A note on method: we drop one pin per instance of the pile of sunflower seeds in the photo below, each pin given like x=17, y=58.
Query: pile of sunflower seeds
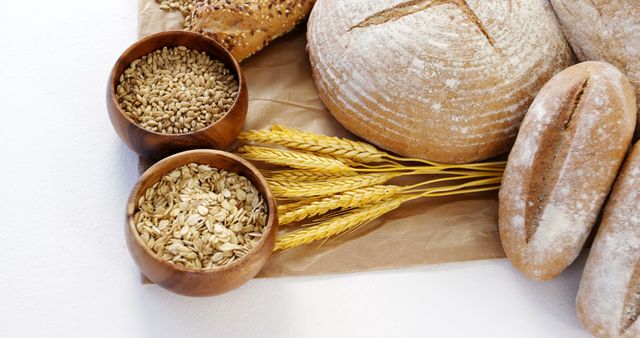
x=201, y=217
x=176, y=90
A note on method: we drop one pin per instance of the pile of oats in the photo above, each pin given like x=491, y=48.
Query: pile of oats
x=176, y=90
x=201, y=217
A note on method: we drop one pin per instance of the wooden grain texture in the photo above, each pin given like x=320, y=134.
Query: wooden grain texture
x=201, y=282
x=155, y=146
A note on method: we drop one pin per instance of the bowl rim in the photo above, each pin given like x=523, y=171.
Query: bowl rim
x=114, y=79
x=136, y=191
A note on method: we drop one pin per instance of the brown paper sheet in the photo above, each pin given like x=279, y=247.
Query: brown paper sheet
x=426, y=231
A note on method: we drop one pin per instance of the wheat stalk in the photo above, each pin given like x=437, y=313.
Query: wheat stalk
x=341, y=148
x=294, y=159
x=346, y=200
x=349, y=221
x=303, y=140
x=307, y=175
x=292, y=189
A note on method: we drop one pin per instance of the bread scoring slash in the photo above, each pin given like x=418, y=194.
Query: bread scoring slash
x=566, y=156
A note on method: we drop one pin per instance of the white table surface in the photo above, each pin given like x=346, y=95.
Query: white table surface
x=64, y=267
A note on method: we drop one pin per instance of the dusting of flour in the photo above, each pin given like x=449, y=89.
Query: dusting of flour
x=614, y=256
x=431, y=77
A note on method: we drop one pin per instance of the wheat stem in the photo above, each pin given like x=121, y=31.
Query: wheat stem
x=493, y=183
x=449, y=178
x=464, y=191
x=418, y=160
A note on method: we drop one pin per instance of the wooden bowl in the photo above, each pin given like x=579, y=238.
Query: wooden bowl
x=155, y=146
x=201, y=282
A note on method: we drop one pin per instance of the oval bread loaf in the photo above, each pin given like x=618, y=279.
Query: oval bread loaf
x=609, y=296
x=561, y=168
x=246, y=26
x=444, y=80
x=604, y=30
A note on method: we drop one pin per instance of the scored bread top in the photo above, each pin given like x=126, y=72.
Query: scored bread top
x=445, y=80
x=245, y=27
x=609, y=295
x=561, y=168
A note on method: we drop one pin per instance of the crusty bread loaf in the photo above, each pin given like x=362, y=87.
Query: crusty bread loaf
x=561, y=168
x=246, y=26
x=608, y=301
x=444, y=80
x=604, y=30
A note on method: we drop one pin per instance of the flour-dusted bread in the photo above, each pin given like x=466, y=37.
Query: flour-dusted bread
x=604, y=30
x=446, y=80
x=567, y=154
x=246, y=26
x=609, y=296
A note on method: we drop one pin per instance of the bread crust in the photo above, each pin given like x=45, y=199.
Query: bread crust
x=444, y=80
x=245, y=27
x=608, y=300
x=561, y=168
x=604, y=30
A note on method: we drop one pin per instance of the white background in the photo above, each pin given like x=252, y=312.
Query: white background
x=64, y=179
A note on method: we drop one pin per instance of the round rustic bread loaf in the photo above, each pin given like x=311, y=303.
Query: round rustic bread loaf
x=604, y=30
x=444, y=80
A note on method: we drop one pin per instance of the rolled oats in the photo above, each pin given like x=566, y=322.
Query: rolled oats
x=201, y=217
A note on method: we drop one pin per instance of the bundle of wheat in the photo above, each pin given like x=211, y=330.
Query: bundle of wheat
x=337, y=185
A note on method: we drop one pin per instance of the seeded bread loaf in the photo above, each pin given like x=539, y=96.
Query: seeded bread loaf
x=609, y=296
x=246, y=26
x=444, y=80
x=604, y=30
x=567, y=154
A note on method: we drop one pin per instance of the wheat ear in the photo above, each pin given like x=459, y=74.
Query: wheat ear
x=346, y=200
x=285, y=208
x=290, y=189
x=349, y=221
x=307, y=175
x=294, y=159
x=303, y=140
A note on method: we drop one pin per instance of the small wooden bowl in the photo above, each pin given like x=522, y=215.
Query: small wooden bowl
x=201, y=282
x=155, y=146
